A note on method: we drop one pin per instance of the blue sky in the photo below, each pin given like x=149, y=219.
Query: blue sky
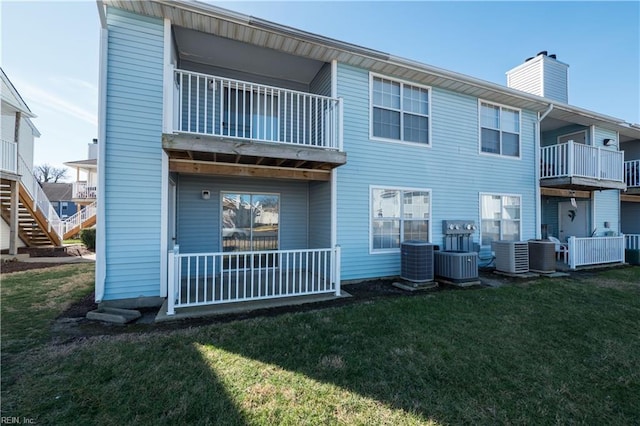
x=50, y=50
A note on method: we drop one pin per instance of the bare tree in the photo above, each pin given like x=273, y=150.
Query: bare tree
x=48, y=173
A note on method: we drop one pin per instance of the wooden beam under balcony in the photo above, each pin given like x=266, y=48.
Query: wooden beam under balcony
x=567, y=193
x=248, y=170
x=630, y=198
x=581, y=183
x=229, y=150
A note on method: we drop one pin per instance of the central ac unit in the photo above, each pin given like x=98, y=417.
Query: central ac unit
x=511, y=256
x=416, y=263
x=542, y=256
x=456, y=266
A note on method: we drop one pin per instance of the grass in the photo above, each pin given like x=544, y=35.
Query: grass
x=72, y=241
x=555, y=351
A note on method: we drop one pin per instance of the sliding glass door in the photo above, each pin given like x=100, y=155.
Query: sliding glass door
x=250, y=222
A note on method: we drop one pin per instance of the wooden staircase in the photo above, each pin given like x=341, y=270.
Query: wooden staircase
x=85, y=218
x=33, y=227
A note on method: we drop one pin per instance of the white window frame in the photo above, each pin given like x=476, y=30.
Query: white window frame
x=401, y=218
x=498, y=194
x=586, y=138
x=501, y=106
x=402, y=83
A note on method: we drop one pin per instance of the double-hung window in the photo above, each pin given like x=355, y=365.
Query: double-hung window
x=398, y=215
x=499, y=130
x=500, y=216
x=399, y=111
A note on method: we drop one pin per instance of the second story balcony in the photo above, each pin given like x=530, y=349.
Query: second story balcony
x=577, y=166
x=632, y=176
x=82, y=191
x=230, y=121
x=8, y=157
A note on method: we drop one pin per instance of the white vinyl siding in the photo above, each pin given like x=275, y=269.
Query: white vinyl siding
x=499, y=130
x=398, y=215
x=399, y=111
x=501, y=218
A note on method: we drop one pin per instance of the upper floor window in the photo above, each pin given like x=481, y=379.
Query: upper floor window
x=399, y=111
x=578, y=137
x=499, y=130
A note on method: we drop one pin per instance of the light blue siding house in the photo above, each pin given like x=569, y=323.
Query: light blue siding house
x=244, y=160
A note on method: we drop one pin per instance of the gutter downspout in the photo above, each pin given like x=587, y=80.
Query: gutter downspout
x=101, y=258
x=536, y=156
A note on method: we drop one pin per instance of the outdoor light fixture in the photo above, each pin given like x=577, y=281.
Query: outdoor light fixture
x=608, y=142
x=206, y=194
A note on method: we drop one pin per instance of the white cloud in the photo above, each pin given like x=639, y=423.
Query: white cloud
x=49, y=100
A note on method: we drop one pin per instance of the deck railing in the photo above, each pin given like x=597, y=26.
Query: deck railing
x=40, y=200
x=200, y=279
x=632, y=173
x=82, y=190
x=217, y=106
x=578, y=160
x=595, y=250
x=632, y=241
x=8, y=156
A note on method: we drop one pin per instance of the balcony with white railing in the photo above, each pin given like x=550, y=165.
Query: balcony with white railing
x=231, y=121
x=82, y=191
x=632, y=176
x=8, y=156
x=573, y=165
x=207, y=279
x=632, y=241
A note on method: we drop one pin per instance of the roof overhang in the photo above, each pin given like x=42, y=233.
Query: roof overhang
x=247, y=29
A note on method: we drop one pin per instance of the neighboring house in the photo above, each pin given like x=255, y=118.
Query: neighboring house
x=61, y=197
x=630, y=199
x=212, y=119
x=85, y=187
x=27, y=216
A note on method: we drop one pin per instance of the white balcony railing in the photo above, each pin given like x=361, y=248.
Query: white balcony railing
x=632, y=173
x=213, y=278
x=210, y=105
x=8, y=156
x=578, y=160
x=76, y=220
x=632, y=241
x=595, y=250
x=41, y=202
x=84, y=191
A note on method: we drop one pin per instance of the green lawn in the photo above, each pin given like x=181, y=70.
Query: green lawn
x=555, y=351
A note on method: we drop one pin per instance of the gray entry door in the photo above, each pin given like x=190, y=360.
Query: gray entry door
x=573, y=220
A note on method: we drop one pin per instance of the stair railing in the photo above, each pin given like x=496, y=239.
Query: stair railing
x=40, y=200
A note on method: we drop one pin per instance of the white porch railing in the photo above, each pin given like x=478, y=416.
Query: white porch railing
x=41, y=202
x=9, y=156
x=210, y=105
x=202, y=279
x=632, y=241
x=578, y=160
x=82, y=190
x=79, y=218
x=632, y=173
x=595, y=250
